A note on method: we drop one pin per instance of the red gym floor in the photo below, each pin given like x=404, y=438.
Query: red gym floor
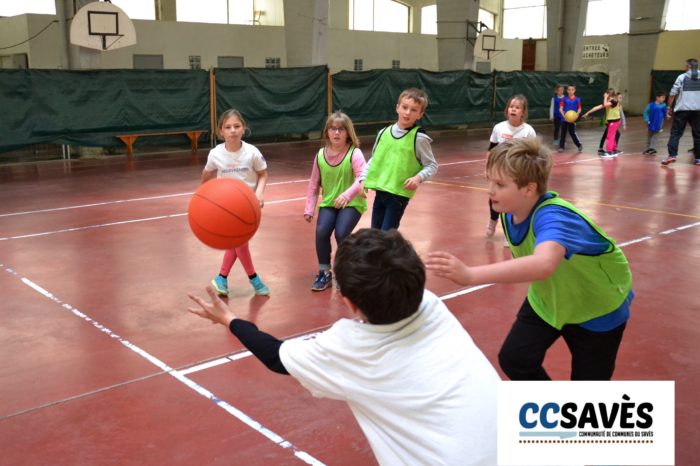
x=102, y=364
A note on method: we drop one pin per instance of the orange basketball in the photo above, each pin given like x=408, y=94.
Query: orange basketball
x=224, y=213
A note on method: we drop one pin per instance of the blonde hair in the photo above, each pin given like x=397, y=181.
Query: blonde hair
x=526, y=160
x=418, y=95
x=346, y=122
x=523, y=101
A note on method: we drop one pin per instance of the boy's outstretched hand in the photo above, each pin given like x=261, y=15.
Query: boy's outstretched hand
x=448, y=266
x=217, y=311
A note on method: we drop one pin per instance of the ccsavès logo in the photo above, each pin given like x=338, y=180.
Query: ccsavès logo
x=558, y=423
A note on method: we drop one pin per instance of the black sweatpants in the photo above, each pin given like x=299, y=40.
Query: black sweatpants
x=593, y=354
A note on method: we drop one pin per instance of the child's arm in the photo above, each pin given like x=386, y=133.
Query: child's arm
x=208, y=175
x=264, y=346
x=623, y=119
x=312, y=192
x=260, y=187
x=424, y=154
x=646, y=113
x=551, y=109
x=538, y=266
x=594, y=109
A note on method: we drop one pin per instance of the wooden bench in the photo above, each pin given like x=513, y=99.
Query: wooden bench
x=193, y=135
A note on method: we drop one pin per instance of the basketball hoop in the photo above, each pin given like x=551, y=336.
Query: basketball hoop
x=102, y=26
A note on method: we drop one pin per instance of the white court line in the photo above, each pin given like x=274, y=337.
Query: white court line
x=123, y=201
x=464, y=161
x=123, y=222
x=241, y=416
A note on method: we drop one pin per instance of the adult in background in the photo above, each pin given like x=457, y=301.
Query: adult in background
x=687, y=110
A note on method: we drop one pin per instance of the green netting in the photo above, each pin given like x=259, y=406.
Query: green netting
x=90, y=107
x=455, y=97
x=275, y=102
x=662, y=81
x=538, y=87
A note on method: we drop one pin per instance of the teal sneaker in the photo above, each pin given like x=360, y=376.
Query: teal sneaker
x=220, y=284
x=259, y=286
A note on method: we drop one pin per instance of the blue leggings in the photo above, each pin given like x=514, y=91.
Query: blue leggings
x=343, y=221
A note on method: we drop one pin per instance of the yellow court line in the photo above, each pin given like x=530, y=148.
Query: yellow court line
x=616, y=206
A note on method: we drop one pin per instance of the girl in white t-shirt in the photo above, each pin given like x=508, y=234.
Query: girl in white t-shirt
x=514, y=127
x=240, y=160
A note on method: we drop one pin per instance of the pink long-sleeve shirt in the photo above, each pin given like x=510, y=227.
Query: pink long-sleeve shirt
x=358, y=164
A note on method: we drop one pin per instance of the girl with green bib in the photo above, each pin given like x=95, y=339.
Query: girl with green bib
x=335, y=172
x=580, y=281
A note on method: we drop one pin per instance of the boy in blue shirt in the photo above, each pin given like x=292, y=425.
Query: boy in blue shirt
x=580, y=281
x=570, y=102
x=654, y=116
x=554, y=115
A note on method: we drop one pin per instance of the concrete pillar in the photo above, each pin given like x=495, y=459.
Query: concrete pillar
x=455, y=52
x=306, y=32
x=64, y=9
x=566, y=21
x=166, y=10
x=647, y=20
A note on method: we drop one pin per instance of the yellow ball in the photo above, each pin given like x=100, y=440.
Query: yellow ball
x=571, y=116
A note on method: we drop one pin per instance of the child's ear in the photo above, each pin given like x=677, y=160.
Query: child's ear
x=532, y=188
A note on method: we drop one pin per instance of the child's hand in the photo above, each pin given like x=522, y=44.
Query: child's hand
x=340, y=202
x=217, y=311
x=308, y=217
x=260, y=198
x=412, y=183
x=448, y=266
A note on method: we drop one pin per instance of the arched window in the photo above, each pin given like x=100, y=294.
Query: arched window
x=378, y=15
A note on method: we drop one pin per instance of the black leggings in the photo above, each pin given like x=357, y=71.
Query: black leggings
x=593, y=354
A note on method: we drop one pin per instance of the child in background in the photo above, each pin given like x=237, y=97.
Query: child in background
x=554, y=116
x=336, y=171
x=420, y=389
x=513, y=127
x=654, y=116
x=580, y=281
x=613, y=120
x=570, y=102
x=623, y=124
x=401, y=160
x=237, y=159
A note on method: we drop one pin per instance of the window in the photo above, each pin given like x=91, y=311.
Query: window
x=195, y=62
x=148, y=62
x=231, y=11
x=607, y=17
x=682, y=15
x=524, y=19
x=358, y=64
x=272, y=62
x=378, y=15
x=137, y=9
x=44, y=7
x=488, y=18
x=395, y=64
x=428, y=19
x=230, y=62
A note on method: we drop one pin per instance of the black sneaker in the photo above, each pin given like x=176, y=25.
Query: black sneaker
x=601, y=152
x=580, y=149
x=323, y=280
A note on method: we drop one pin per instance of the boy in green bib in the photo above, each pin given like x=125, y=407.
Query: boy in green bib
x=401, y=160
x=580, y=281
